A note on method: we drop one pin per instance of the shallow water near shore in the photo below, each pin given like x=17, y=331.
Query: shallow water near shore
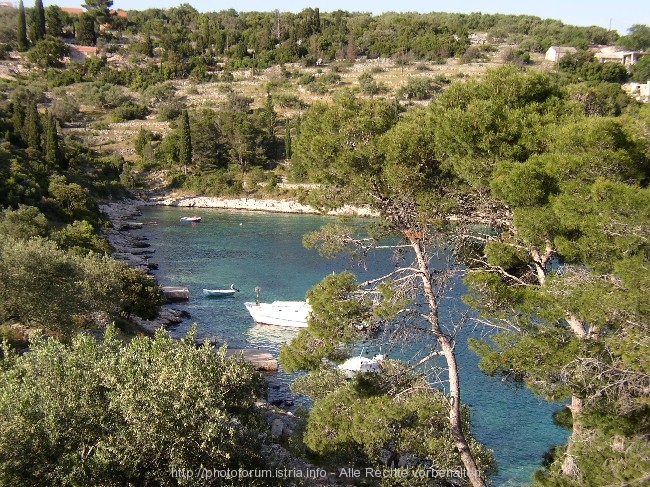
x=250, y=249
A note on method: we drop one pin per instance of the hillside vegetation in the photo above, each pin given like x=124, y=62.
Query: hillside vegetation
x=439, y=130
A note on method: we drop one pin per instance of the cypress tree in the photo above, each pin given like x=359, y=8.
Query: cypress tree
x=287, y=142
x=22, y=28
x=51, y=149
x=185, y=142
x=270, y=120
x=148, y=44
x=317, y=20
x=32, y=127
x=39, y=20
x=18, y=120
x=85, y=34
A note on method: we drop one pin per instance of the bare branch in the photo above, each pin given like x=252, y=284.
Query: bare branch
x=498, y=270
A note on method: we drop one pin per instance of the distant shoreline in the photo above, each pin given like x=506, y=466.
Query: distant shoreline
x=254, y=204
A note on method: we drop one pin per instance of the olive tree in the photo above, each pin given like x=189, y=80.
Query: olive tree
x=45, y=287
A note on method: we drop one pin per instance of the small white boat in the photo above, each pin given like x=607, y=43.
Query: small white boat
x=220, y=293
x=280, y=313
x=191, y=219
x=356, y=365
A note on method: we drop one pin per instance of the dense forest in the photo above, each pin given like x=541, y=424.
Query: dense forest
x=530, y=178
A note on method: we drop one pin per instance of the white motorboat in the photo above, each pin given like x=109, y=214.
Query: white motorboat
x=280, y=313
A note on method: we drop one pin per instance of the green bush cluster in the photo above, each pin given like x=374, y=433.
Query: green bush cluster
x=104, y=412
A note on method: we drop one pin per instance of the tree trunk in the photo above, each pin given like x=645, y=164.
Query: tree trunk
x=569, y=467
x=455, y=423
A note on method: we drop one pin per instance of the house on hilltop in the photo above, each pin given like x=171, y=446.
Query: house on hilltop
x=122, y=14
x=555, y=53
x=73, y=10
x=611, y=55
x=78, y=11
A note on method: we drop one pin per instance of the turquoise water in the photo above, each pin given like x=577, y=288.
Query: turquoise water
x=251, y=249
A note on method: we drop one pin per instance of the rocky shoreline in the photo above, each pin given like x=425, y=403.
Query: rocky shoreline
x=253, y=204
x=134, y=249
x=128, y=247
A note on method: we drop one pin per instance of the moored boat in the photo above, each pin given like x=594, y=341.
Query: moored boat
x=220, y=293
x=280, y=313
x=192, y=219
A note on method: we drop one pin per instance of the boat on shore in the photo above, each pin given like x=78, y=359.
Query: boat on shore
x=191, y=219
x=220, y=293
x=292, y=314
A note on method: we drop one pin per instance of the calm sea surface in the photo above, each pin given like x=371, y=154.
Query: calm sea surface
x=251, y=249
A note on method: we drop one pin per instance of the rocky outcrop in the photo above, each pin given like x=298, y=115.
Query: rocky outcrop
x=167, y=318
x=176, y=293
x=261, y=359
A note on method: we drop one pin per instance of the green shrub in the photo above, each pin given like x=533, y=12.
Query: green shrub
x=96, y=412
x=418, y=88
x=170, y=110
x=306, y=79
x=102, y=95
x=474, y=54
x=516, y=56
x=129, y=111
x=100, y=125
x=285, y=100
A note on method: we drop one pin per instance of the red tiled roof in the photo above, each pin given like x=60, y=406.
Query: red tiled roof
x=73, y=10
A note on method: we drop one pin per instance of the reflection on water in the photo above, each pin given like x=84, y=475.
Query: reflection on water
x=272, y=337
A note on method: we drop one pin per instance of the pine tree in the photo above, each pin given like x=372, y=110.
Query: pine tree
x=98, y=9
x=22, y=28
x=185, y=142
